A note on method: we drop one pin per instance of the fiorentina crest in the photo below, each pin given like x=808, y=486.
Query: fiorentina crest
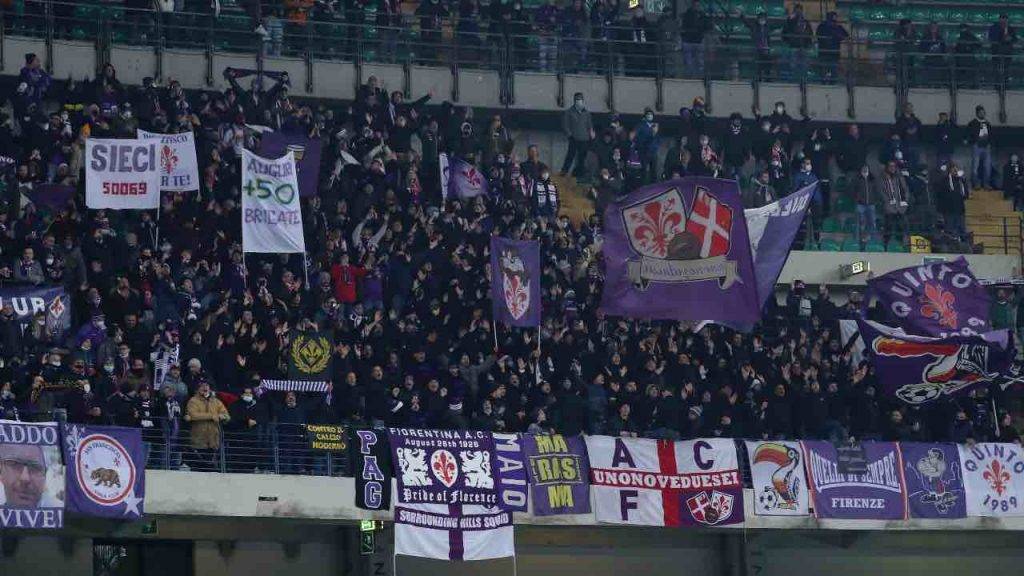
x=515, y=281
x=675, y=245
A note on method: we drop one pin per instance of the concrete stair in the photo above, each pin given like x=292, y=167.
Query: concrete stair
x=994, y=222
x=575, y=202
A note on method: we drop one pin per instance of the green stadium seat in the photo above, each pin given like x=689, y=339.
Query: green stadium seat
x=881, y=33
x=851, y=244
x=874, y=245
x=895, y=245
x=829, y=226
x=845, y=203
x=858, y=13
x=849, y=225
x=828, y=245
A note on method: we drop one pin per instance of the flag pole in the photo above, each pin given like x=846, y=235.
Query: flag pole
x=494, y=330
x=536, y=370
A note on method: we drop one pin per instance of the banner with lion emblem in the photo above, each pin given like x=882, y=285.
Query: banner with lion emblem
x=939, y=299
x=309, y=356
x=515, y=281
x=106, y=471
x=444, y=466
x=679, y=250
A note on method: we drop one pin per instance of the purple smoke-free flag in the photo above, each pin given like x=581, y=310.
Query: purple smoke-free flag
x=307, y=157
x=935, y=480
x=679, y=250
x=878, y=493
x=464, y=180
x=938, y=299
x=106, y=471
x=919, y=369
x=54, y=196
x=515, y=281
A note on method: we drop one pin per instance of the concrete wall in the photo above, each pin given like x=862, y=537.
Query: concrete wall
x=532, y=91
x=823, y=267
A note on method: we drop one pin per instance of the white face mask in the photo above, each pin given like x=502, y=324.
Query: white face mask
x=960, y=173
x=247, y=398
x=86, y=388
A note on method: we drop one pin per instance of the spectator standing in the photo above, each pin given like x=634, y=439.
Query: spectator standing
x=575, y=33
x=798, y=35
x=933, y=46
x=545, y=23
x=967, y=47
x=895, y=194
x=578, y=127
x=1013, y=180
x=761, y=36
x=36, y=80
x=695, y=26
x=432, y=14
x=866, y=197
x=944, y=138
x=979, y=136
x=1001, y=38
x=28, y=270
x=641, y=45
x=951, y=191
x=205, y=413
x=735, y=147
x=831, y=35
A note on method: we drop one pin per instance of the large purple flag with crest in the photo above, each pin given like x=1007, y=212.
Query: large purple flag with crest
x=935, y=480
x=919, y=369
x=515, y=281
x=106, y=471
x=559, y=474
x=938, y=299
x=307, y=157
x=679, y=250
x=877, y=492
x=460, y=179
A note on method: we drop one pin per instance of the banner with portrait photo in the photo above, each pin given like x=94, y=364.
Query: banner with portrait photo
x=31, y=476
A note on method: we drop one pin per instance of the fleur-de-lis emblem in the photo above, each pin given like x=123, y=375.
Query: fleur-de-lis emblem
x=168, y=159
x=938, y=304
x=473, y=177
x=997, y=476
x=442, y=463
x=517, y=295
x=653, y=225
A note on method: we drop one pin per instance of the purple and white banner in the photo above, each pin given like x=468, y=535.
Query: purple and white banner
x=920, y=369
x=679, y=250
x=444, y=466
x=935, y=481
x=106, y=471
x=877, y=494
x=772, y=229
x=179, y=169
x=559, y=474
x=306, y=152
x=460, y=179
x=31, y=476
x=515, y=281
x=993, y=479
x=511, y=472
x=453, y=532
x=939, y=299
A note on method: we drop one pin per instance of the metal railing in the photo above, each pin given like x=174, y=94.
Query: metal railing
x=510, y=46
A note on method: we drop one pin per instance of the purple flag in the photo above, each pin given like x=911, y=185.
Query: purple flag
x=919, y=369
x=559, y=474
x=772, y=229
x=444, y=466
x=106, y=471
x=32, y=476
x=876, y=493
x=307, y=157
x=679, y=250
x=939, y=299
x=464, y=180
x=515, y=281
x=935, y=481
x=54, y=196
x=511, y=472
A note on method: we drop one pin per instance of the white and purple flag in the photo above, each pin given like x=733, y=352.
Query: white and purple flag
x=453, y=532
x=460, y=179
x=106, y=471
x=515, y=281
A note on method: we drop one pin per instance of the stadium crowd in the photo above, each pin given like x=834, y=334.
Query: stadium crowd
x=396, y=275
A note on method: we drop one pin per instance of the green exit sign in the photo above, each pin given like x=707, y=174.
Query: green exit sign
x=366, y=543
x=149, y=528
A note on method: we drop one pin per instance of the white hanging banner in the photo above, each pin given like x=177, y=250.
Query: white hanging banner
x=122, y=174
x=271, y=217
x=179, y=169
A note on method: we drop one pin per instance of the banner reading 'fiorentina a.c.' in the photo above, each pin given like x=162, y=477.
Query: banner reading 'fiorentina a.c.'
x=444, y=466
x=679, y=250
